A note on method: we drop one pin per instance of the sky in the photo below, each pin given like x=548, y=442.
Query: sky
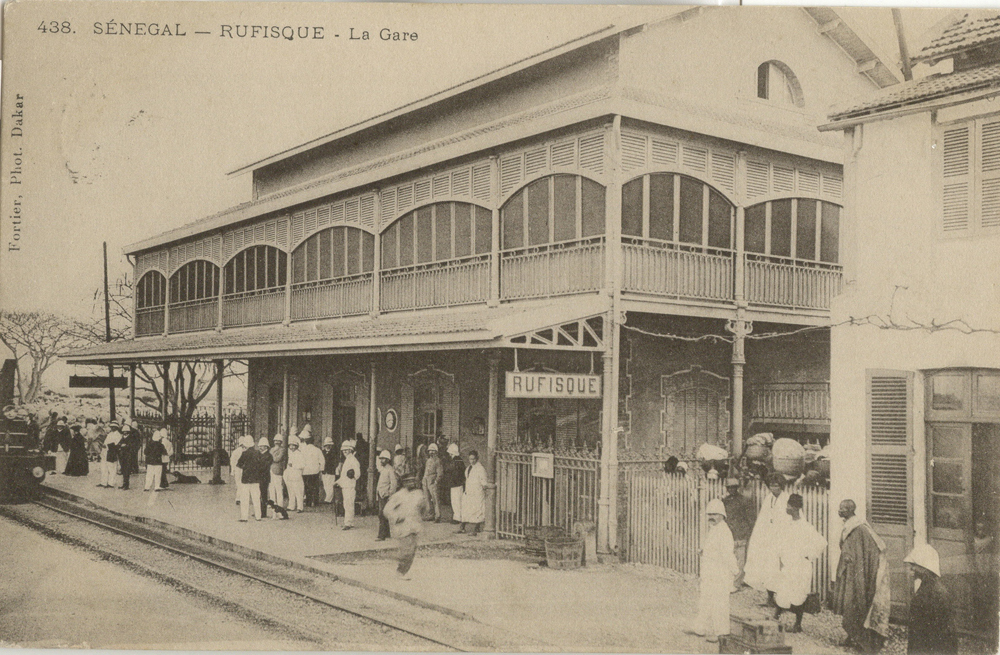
x=126, y=137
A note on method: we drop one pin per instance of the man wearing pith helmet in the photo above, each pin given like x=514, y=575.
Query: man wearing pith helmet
x=932, y=611
x=718, y=570
x=347, y=480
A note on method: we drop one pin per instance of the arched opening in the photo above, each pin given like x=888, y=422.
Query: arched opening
x=333, y=253
x=194, y=294
x=796, y=228
x=438, y=232
x=332, y=273
x=676, y=208
x=150, y=298
x=553, y=209
x=254, y=290
x=776, y=82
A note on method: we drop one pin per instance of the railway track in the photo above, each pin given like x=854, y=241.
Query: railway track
x=308, y=603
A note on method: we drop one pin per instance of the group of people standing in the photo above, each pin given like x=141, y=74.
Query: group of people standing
x=71, y=443
x=773, y=550
x=120, y=453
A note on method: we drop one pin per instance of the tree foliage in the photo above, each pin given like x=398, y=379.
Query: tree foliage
x=39, y=338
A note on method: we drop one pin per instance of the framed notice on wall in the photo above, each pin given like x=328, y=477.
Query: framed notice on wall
x=543, y=465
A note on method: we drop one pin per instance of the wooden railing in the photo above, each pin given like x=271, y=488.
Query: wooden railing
x=439, y=284
x=194, y=315
x=792, y=283
x=149, y=321
x=676, y=270
x=792, y=401
x=552, y=269
x=345, y=296
x=253, y=307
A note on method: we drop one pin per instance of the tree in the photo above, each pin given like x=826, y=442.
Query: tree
x=42, y=338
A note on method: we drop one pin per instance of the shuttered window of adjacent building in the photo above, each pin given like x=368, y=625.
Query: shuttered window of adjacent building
x=890, y=474
x=889, y=437
x=971, y=177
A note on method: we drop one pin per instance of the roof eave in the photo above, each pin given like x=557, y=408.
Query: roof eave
x=907, y=110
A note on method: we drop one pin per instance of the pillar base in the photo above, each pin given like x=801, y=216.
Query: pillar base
x=217, y=481
x=490, y=527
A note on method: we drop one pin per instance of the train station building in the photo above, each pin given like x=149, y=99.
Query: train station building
x=580, y=254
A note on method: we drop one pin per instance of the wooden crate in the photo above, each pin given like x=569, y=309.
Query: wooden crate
x=732, y=645
x=758, y=633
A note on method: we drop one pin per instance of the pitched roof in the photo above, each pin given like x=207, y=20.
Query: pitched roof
x=913, y=94
x=969, y=29
x=476, y=327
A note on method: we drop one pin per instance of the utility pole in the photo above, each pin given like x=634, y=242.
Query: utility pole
x=107, y=330
x=904, y=52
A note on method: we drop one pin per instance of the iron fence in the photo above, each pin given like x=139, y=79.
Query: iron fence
x=526, y=500
x=193, y=450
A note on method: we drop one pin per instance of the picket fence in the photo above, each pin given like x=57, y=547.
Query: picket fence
x=661, y=517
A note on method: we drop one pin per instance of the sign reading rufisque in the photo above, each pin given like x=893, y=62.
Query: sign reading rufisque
x=552, y=385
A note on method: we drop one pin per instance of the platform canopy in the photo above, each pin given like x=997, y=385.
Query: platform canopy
x=452, y=329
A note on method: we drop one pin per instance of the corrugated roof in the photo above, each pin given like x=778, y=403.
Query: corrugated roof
x=968, y=30
x=924, y=90
x=477, y=326
x=344, y=179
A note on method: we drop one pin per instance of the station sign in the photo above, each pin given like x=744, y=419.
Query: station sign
x=552, y=385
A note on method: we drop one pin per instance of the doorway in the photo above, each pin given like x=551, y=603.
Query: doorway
x=963, y=492
x=342, y=413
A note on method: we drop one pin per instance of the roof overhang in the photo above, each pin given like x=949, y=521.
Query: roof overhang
x=455, y=329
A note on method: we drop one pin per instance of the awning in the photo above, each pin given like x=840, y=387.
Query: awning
x=397, y=332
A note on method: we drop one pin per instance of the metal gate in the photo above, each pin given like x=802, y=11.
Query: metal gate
x=524, y=500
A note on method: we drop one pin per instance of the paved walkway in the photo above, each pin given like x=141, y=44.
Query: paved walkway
x=605, y=607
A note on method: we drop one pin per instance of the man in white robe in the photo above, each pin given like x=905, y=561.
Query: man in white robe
x=761, y=570
x=474, y=497
x=719, y=569
x=800, y=544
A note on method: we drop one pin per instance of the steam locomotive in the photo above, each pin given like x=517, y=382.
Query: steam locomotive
x=22, y=464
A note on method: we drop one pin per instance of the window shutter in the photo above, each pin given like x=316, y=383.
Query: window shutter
x=890, y=473
x=957, y=178
x=989, y=189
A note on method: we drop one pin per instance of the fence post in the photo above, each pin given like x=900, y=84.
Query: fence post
x=217, y=451
x=491, y=449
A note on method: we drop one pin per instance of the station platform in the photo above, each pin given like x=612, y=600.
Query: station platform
x=599, y=608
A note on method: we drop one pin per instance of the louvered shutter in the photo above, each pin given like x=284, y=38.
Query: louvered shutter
x=890, y=473
x=989, y=186
x=957, y=178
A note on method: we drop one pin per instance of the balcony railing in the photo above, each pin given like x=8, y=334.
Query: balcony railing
x=149, y=321
x=790, y=401
x=194, y=315
x=793, y=283
x=253, y=307
x=439, y=284
x=346, y=296
x=677, y=270
x=649, y=266
x=552, y=269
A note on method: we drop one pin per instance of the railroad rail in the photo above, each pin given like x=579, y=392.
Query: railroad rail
x=435, y=629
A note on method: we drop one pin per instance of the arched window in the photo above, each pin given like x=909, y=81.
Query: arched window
x=676, y=208
x=151, y=292
x=196, y=280
x=256, y=268
x=553, y=209
x=777, y=82
x=436, y=233
x=333, y=253
x=800, y=228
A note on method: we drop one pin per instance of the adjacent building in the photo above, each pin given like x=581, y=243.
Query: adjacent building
x=915, y=373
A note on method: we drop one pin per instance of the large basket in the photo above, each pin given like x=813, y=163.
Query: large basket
x=535, y=536
x=564, y=552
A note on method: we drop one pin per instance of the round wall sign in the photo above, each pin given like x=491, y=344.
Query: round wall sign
x=391, y=420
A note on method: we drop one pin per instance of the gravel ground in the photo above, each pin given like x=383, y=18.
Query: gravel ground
x=281, y=613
